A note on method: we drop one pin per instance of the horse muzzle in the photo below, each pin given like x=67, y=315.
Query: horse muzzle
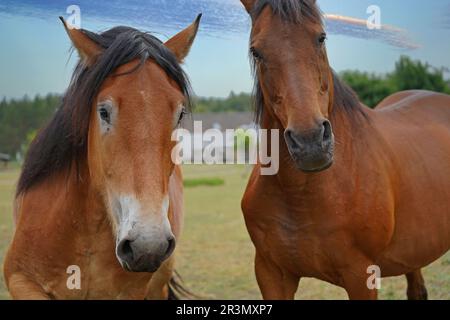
x=312, y=151
x=144, y=255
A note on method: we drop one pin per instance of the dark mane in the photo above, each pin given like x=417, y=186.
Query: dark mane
x=290, y=10
x=63, y=142
x=345, y=99
x=296, y=11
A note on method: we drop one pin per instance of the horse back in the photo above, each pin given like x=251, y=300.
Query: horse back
x=421, y=100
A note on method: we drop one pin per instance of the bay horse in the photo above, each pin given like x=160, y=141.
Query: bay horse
x=99, y=193
x=357, y=188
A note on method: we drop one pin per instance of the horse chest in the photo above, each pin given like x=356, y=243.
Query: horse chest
x=99, y=286
x=312, y=229
x=296, y=233
x=90, y=270
x=292, y=245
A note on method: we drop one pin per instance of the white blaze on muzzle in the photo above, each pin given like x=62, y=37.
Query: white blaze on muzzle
x=144, y=235
x=134, y=221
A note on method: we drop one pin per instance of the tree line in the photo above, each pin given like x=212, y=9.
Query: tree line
x=20, y=119
x=408, y=74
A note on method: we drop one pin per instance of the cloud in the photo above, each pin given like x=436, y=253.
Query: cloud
x=357, y=28
x=220, y=17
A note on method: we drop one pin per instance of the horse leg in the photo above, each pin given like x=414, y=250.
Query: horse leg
x=357, y=289
x=273, y=282
x=22, y=288
x=416, y=286
x=357, y=281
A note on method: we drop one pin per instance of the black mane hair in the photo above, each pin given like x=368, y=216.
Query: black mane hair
x=297, y=11
x=63, y=142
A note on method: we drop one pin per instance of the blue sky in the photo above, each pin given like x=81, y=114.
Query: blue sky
x=34, y=56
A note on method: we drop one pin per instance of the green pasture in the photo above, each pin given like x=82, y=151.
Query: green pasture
x=215, y=254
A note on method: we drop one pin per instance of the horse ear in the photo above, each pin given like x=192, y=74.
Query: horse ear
x=248, y=4
x=87, y=49
x=181, y=43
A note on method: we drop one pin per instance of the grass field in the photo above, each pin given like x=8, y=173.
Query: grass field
x=215, y=255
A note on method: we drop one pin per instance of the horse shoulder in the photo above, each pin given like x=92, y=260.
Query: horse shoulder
x=262, y=200
x=254, y=198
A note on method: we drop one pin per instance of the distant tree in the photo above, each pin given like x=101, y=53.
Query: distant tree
x=234, y=102
x=371, y=88
x=19, y=118
x=408, y=75
x=28, y=139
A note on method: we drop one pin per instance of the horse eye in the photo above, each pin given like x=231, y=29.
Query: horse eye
x=104, y=115
x=255, y=53
x=322, y=38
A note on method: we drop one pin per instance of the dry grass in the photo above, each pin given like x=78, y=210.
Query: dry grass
x=7, y=182
x=215, y=254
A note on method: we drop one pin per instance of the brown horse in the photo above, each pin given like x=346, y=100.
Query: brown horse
x=357, y=188
x=99, y=197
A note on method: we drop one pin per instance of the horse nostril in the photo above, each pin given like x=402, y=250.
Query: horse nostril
x=289, y=138
x=327, y=131
x=124, y=250
x=170, y=247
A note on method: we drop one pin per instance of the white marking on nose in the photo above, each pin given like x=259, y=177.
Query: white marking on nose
x=135, y=221
x=128, y=215
x=165, y=212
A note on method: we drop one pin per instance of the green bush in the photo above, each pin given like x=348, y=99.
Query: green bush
x=408, y=74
